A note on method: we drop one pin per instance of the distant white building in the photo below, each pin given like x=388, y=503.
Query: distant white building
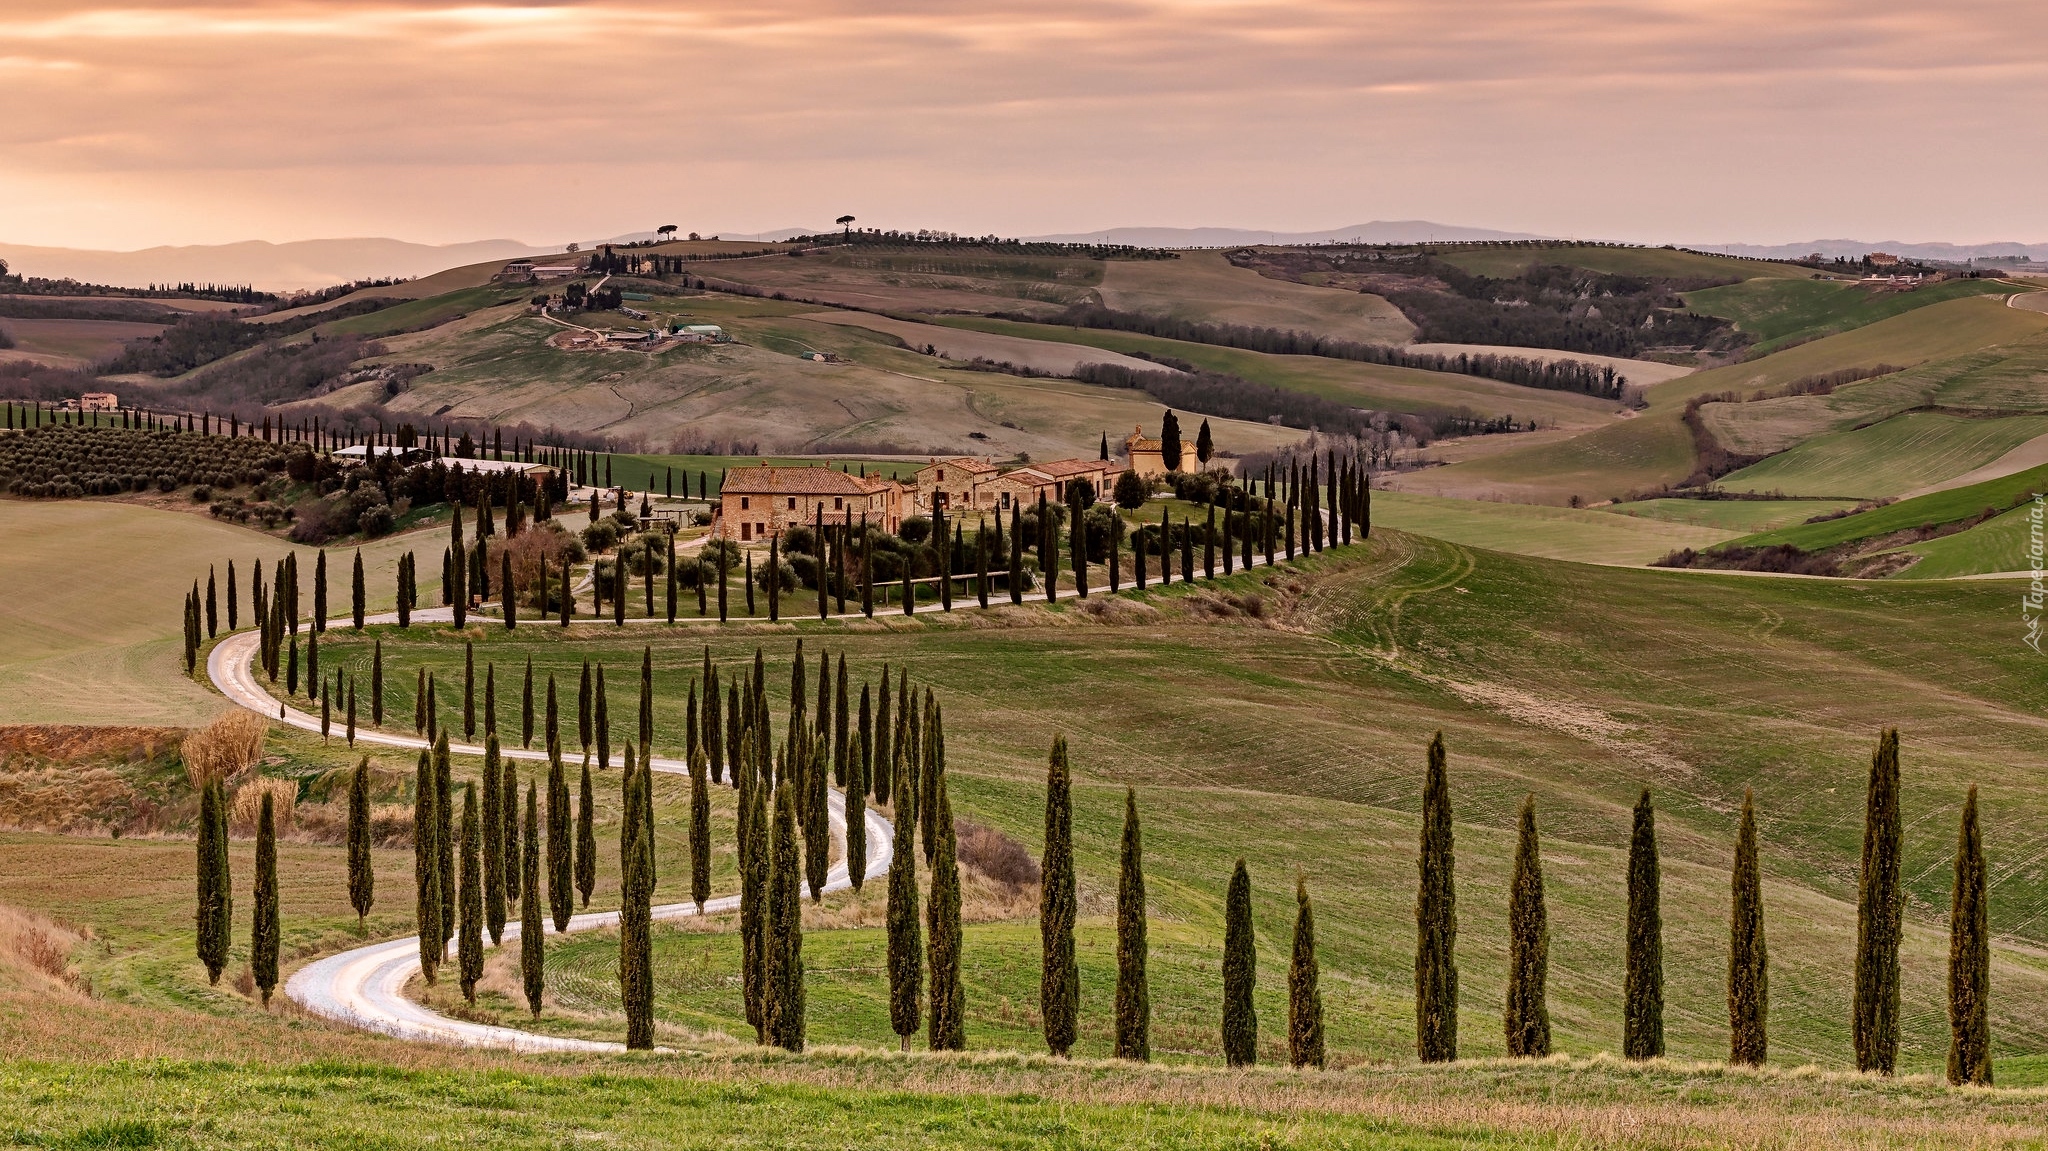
x=700, y=333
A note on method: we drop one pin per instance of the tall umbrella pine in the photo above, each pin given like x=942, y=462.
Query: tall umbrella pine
x=1748, y=989
x=531, y=953
x=1133, y=994
x=948, y=1028
x=216, y=893
x=1969, y=959
x=1436, y=919
x=1878, y=912
x=1059, y=989
x=1528, y=1015
x=1240, y=972
x=1304, y=992
x=263, y=936
x=469, y=942
x=1642, y=1030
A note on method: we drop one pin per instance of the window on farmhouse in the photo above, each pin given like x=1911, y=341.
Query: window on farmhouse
x=743, y=503
x=792, y=503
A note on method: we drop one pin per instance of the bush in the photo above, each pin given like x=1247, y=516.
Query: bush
x=995, y=855
x=799, y=540
x=223, y=749
x=201, y=494
x=789, y=580
x=601, y=536
x=915, y=530
x=1131, y=490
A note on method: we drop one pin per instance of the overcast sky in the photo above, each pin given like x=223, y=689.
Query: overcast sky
x=166, y=121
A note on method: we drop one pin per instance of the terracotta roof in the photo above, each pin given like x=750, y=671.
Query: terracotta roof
x=1067, y=469
x=964, y=463
x=804, y=481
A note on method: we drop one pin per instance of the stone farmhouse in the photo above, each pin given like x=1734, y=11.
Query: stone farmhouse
x=1148, y=457
x=951, y=483
x=760, y=503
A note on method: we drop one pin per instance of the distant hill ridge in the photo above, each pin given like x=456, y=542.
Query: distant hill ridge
x=258, y=263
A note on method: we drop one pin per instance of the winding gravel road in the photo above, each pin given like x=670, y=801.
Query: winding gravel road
x=365, y=987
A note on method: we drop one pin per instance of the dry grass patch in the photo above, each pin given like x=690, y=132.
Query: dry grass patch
x=225, y=748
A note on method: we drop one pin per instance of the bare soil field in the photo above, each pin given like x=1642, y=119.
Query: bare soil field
x=1205, y=286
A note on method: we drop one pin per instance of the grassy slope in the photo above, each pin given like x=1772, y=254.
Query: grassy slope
x=1623, y=261
x=1206, y=286
x=1888, y=458
x=1776, y=311
x=1306, y=745
x=1361, y=385
x=1731, y=515
x=1533, y=529
x=2001, y=544
x=1655, y=448
x=494, y=365
x=1933, y=508
x=87, y=648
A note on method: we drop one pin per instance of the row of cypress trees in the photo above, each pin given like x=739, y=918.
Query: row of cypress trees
x=1876, y=1004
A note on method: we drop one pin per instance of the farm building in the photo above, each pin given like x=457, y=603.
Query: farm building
x=950, y=483
x=700, y=333
x=759, y=503
x=516, y=272
x=1147, y=457
x=99, y=402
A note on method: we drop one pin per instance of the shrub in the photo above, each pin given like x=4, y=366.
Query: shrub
x=284, y=795
x=994, y=855
x=225, y=748
x=1131, y=490
x=915, y=530
x=601, y=536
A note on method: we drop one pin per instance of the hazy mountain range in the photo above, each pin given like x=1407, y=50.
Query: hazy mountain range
x=258, y=263
x=319, y=263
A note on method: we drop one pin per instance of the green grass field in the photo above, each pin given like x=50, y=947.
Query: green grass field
x=1601, y=537
x=1492, y=261
x=2001, y=544
x=1306, y=743
x=1886, y=459
x=84, y=648
x=1777, y=311
x=1731, y=515
x=1934, y=508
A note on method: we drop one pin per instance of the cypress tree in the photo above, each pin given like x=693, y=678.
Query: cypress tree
x=405, y=590
x=647, y=705
x=508, y=801
x=1528, y=1015
x=444, y=837
x=1016, y=554
x=362, y=875
x=212, y=605
x=583, y=708
x=426, y=871
x=1748, y=988
x=377, y=685
x=861, y=764
x=1133, y=995
x=842, y=726
x=881, y=777
x=561, y=896
x=216, y=893
x=1240, y=973
x=469, y=690
x=1642, y=1032
x=1969, y=959
x=490, y=699
x=419, y=701
x=291, y=679
x=551, y=734
x=319, y=593
x=754, y=853
x=1078, y=544
x=948, y=1028
x=601, y=721
x=817, y=826
x=357, y=594
x=313, y=676
x=906, y=959
x=1436, y=919
x=1878, y=911
x=700, y=830
x=234, y=608
x=785, y=950
x=351, y=709
x=1059, y=988
x=506, y=591
x=526, y=707
x=1209, y=545
x=263, y=934
x=586, y=838
x=493, y=842
x=469, y=940
x=1304, y=996
x=636, y=889
x=531, y=952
